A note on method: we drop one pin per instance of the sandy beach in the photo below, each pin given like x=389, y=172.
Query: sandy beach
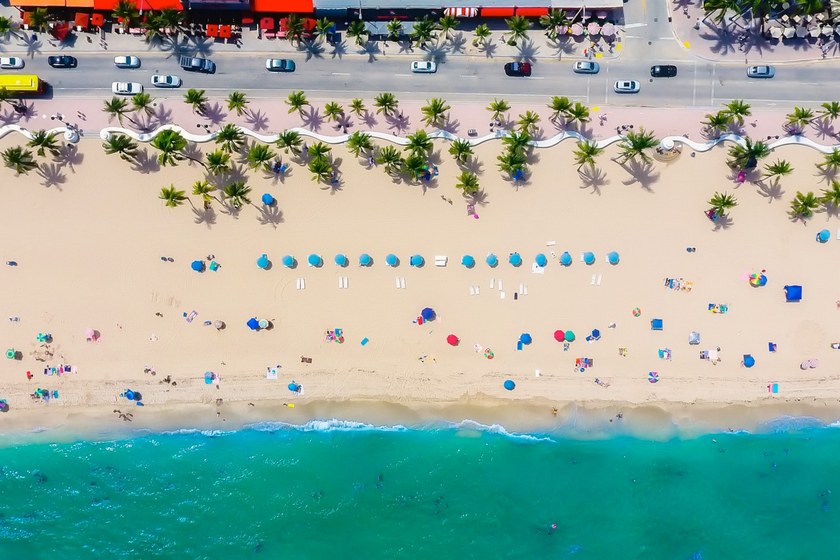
x=89, y=254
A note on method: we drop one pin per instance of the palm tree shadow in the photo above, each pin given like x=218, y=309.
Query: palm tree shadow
x=313, y=49
x=312, y=119
x=641, y=172
x=436, y=53
x=193, y=152
x=528, y=51
x=831, y=211
x=339, y=50
x=214, y=113
x=270, y=215
x=399, y=122
x=722, y=222
x=257, y=120
x=771, y=192
x=474, y=165
x=371, y=49
x=824, y=128
x=32, y=43
x=405, y=47
x=593, y=178
x=478, y=198
x=458, y=43
x=722, y=40
x=10, y=117
x=561, y=46
x=52, y=175
x=231, y=210
x=489, y=48
x=146, y=163
x=369, y=119
x=825, y=174
x=206, y=216
x=450, y=125
x=161, y=114
x=201, y=47
x=343, y=122
x=70, y=156
x=435, y=157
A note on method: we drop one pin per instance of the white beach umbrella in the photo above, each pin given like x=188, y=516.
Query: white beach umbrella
x=827, y=30
x=608, y=30
x=776, y=32
x=814, y=32
x=577, y=29
x=801, y=31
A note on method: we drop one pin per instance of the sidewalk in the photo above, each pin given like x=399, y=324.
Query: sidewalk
x=730, y=43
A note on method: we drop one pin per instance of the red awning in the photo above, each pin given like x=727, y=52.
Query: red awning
x=282, y=6
x=267, y=24
x=309, y=24
x=104, y=5
x=82, y=20
x=212, y=30
x=97, y=20
x=60, y=30
x=496, y=12
x=225, y=31
x=531, y=12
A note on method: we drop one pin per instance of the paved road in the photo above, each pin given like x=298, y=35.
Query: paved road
x=699, y=83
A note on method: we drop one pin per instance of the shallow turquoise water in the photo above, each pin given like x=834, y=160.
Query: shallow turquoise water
x=338, y=490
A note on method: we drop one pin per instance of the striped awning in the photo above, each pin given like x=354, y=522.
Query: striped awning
x=461, y=12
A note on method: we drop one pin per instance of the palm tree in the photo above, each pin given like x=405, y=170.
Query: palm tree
x=636, y=144
x=321, y=169
x=205, y=190
x=517, y=141
x=447, y=24
x=168, y=18
x=434, y=111
x=577, y=113
x=720, y=203
x=122, y=145
x=415, y=166
x=830, y=110
x=333, y=111
x=358, y=31
x=297, y=101
x=778, y=168
x=551, y=21
x=718, y=122
x=359, y=142
x=6, y=26
x=196, y=99
x=423, y=31
x=419, y=143
x=831, y=196
x=357, y=106
x=19, y=159
x=142, y=102
x=172, y=197
x=528, y=121
x=518, y=28
x=803, y=205
x=39, y=20
x=560, y=106
x=7, y=97
x=497, y=107
x=511, y=162
x=323, y=26
x=117, y=107
x=386, y=103
x=230, y=138
x=390, y=157
x=294, y=28
x=237, y=101
x=260, y=155
x=218, y=162
x=586, y=152
x=237, y=192
x=461, y=150
x=171, y=145
x=151, y=25
x=289, y=140
x=45, y=142
x=467, y=183
x=831, y=161
x=738, y=109
x=747, y=156
x=482, y=34
x=319, y=150
x=799, y=118
x=394, y=28
x=719, y=8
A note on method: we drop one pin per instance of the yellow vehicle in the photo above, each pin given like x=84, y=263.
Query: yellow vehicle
x=22, y=84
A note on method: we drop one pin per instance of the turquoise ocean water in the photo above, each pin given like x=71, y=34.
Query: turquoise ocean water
x=343, y=490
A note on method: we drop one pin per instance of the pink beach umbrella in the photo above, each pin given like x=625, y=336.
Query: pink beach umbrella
x=452, y=340
x=91, y=335
x=577, y=29
x=593, y=28
x=608, y=30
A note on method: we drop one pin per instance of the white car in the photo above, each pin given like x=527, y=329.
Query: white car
x=423, y=67
x=11, y=63
x=626, y=86
x=586, y=67
x=166, y=81
x=126, y=62
x=761, y=72
x=126, y=88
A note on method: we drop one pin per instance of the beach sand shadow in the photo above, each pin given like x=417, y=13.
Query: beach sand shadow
x=312, y=119
x=206, y=216
x=70, y=156
x=474, y=165
x=593, y=178
x=369, y=119
x=214, y=113
x=257, y=120
x=270, y=215
x=642, y=173
x=146, y=163
x=52, y=175
x=772, y=191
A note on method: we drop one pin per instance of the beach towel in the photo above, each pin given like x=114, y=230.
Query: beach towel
x=270, y=373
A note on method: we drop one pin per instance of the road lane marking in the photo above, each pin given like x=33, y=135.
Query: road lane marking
x=403, y=75
x=634, y=25
x=340, y=73
x=468, y=76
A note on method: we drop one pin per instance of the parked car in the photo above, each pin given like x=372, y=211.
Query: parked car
x=195, y=64
x=166, y=81
x=761, y=72
x=626, y=86
x=518, y=69
x=11, y=63
x=62, y=61
x=126, y=88
x=586, y=67
x=663, y=71
x=423, y=67
x=126, y=62
x=279, y=65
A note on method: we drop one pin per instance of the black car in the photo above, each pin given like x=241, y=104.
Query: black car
x=663, y=71
x=518, y=69
x=62, y=61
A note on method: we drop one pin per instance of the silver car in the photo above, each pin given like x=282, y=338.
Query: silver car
x=586, y=67
x=11, y=63
x=126, y=88
x=126, y=62
x=423, y=67
x=166, y=81
x=626, y=86
x=761, y=72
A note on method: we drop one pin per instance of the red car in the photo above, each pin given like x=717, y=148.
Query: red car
x=518, y=69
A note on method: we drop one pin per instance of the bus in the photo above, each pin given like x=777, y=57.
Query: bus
x=21, y=84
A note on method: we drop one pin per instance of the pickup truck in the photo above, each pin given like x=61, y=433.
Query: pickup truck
x=195, y=64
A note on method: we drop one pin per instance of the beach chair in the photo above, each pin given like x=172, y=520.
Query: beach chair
x=656, y=324
x=694, y=338
x=664, y=353
x=441, y=260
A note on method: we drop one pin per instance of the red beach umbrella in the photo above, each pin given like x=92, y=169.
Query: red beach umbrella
x=559, y=336
x=452, y=340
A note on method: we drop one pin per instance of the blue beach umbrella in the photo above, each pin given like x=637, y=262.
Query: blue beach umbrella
x=509, y=384
x=823, y=236
x=341, y=259
x=253, y=324
x=392, y=260
x=428, y=314
x=294, y=387
x=541, y=260
x=749, y=361
x=129, y=394
x=263, y=261
x=289, y=261
x=365, y=260
x=515, y=259
x=267, y=199
x=468, y=261
x=589, y=257
x=525, y=338
x=492, y=260
x=198, y=266
x=315, y=260
x=566, y=259
x=612, y=257
x=416, y=260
